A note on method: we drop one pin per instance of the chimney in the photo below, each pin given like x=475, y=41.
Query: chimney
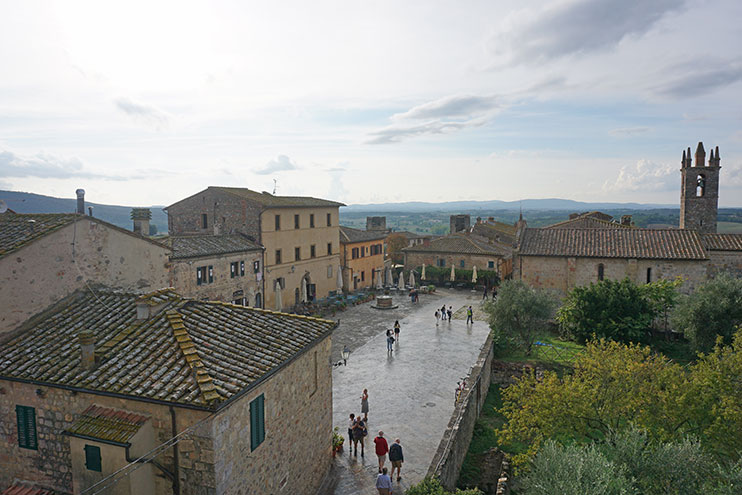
x=80, y=201
x=87, y=347
x=625, y=219
x=700, y=155
x=142, y=310
x=141, y=217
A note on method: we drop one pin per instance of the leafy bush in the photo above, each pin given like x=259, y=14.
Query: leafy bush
x=431, y=486
x=714, y=309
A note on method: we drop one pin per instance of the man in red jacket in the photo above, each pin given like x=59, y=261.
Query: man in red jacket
x=381, y=449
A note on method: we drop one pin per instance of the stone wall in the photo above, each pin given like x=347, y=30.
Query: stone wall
x=416, y=259
x=225, y=214
x=725, y=261
x=449, y=457
x=43, y=272
x=297, y=450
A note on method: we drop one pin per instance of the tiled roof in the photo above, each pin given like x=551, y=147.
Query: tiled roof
x=19, y=488
x=411, y=235
x=497, y=231
x=193, y=246
x=590, y=220
x=271, y=201
x=107, y=424
x=197, y=353
x=722, y=242
x=461, y=244
x=350, y=235
x=613, y=243
x=17, y=230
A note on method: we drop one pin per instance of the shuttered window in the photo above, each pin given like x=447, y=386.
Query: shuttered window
x=257, y=421
x=92, y=458
x=26, y=418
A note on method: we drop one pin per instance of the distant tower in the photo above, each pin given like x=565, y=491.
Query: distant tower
x=699, y=194
x=141, y=217
x=459, y=223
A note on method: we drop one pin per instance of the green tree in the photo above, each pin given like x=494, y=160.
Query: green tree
x=431, y=486
x=663, y=295
x=519, y=314
x=613, y=309
x=715, y=308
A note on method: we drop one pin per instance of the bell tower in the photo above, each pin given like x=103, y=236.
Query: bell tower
x=699, y=193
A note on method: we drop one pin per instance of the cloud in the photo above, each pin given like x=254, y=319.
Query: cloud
x=570, y=27
x=450, y=107
x=695, y=82
x=645, y=176
x=396, y=133
x=142, y=113
x=46, y=166
x=629, y=131
x=280, y=164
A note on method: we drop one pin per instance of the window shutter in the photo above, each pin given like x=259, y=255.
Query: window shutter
x=242, y=268
x=211, y=274
x=92, y=458
x=26, y=421
x=257, y=422
x=261, y=419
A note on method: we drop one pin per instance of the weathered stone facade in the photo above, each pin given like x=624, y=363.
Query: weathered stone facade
x=225, y=214
x=725, y=262
x=699, y=193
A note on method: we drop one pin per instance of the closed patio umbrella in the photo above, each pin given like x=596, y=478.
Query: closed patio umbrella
x=400, y=281
x=412, y=279
x=279, y=301
x=378, y=278
x=303, y=290
x=422, y=277
x=389, y=279
x=474, y=275
x=453, y=274
x=340, y=280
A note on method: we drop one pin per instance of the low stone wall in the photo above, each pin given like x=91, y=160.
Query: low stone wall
x=504, y=373
x=451, y=451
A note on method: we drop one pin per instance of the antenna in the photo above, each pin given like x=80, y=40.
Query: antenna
x=275, y=186
x=3, y=206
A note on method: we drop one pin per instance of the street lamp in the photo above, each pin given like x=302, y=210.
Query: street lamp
x=345, y=353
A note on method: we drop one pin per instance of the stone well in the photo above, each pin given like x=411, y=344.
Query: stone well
x=384, y=302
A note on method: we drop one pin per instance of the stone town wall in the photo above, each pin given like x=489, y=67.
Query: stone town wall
x=449, y=457
x=563, y=273
x=57, y=409
x=223, y=287
x=297, y=450
x=725, y=261
x=225, y=214
x=43, y=272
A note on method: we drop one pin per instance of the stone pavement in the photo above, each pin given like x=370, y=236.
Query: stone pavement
x=411, y=390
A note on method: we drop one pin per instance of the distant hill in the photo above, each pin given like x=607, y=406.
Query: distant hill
x=22, y=202
x=550, y=204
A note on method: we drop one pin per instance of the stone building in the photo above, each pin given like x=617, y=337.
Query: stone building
x=699, y=192
x=227, y=267
x=459, y=223
x=300, y=236
x=46, y=256
x=362, y=257
x=209, y=391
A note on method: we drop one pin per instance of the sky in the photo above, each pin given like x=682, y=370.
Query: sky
x=146, y=103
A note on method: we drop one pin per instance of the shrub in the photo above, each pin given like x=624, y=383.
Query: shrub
x=431, y=486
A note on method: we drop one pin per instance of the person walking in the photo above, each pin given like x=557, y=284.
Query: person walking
x=443, y=312
x=351, y=423
x=381, y=449
x=389, y=341
x=384, y=483
x=359, y=432
x=450, y=313
x=396, y=457
x=437, y=317
x=396, y=330
x=484, y=294
x=469, y=316
x=364, y=404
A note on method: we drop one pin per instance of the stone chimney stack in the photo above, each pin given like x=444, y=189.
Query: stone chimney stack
x=625, y=219
x=700, y=155
x=376, y=223
x=80, y=201
x=141, y=218
x=87, y=348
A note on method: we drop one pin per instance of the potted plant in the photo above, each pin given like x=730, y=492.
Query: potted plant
x=337, y=440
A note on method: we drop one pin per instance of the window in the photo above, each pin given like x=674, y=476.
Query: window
x=354, y=253
x=311, y=220
x=256, y=266
x=329, y=271
x=204, y=221
x=700, y=185
x=296, y=222
x=258, y=300
x=234, y=268
x=297, y=253
x=211, y=274
x=92, y=458
x=201, y=275
x=490, y=264
x=329, y=248
x=26, y=420
x=363, y=251
x=329, y=219
x=278, y=222
x=649, y=275
x=242, y=268
x=462, y=263
x=312, y=251
x=600, y=271
x=441, y=262
x=363, y=276
x=278, y=256
x=257, y=422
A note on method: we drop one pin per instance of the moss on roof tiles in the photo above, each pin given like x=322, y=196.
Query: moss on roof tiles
x=107, y=424
x=20, y=229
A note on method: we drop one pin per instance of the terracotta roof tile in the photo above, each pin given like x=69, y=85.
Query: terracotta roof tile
x=107, y=424
x=19, y=488
x=350, y=235
x=613, y=243
x=462, y=244
x=722, y=242
x=191, y=352
x=193, y=246
x=17, y=230
x=591, y=220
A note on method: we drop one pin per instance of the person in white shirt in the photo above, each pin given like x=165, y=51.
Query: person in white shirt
x=384, y=483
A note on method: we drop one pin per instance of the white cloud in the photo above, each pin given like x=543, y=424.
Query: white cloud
x=281, y=163
x=397, y=133
x=451, y=107
x=145, y=114
x=46, y=166
x=629, y=131
x=700, y=77
x=645, y=176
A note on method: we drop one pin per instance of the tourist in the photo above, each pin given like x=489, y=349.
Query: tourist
x=484, y=295
x=364, y=404
x=469, y=316
x=396, y=457
x=389, y=342
x=450, y=313
x=359, y=432
x=384, y=483
x=351, y=423
x=437, y=317
x=443, y=312
x=381, y=449
x=396, y=330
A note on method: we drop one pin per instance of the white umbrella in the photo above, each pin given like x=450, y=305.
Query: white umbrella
x=378, y=278
x=389, y=279
x=474, y=275
x=340, y=280
x=303, y=290
x=400, y=282
x=453, y=274
x=412, y=279
x=422, y=277
x=279, y=302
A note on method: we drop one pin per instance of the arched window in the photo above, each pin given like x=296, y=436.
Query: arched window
x=649, y=275
x=601, y=271
x=700, y=185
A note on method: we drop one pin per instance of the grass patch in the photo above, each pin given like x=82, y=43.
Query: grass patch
x=484, y=438
x=554, y=351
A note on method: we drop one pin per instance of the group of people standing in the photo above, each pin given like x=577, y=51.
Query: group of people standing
x=392, y=336
x=357, y=433
x=446, y=314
